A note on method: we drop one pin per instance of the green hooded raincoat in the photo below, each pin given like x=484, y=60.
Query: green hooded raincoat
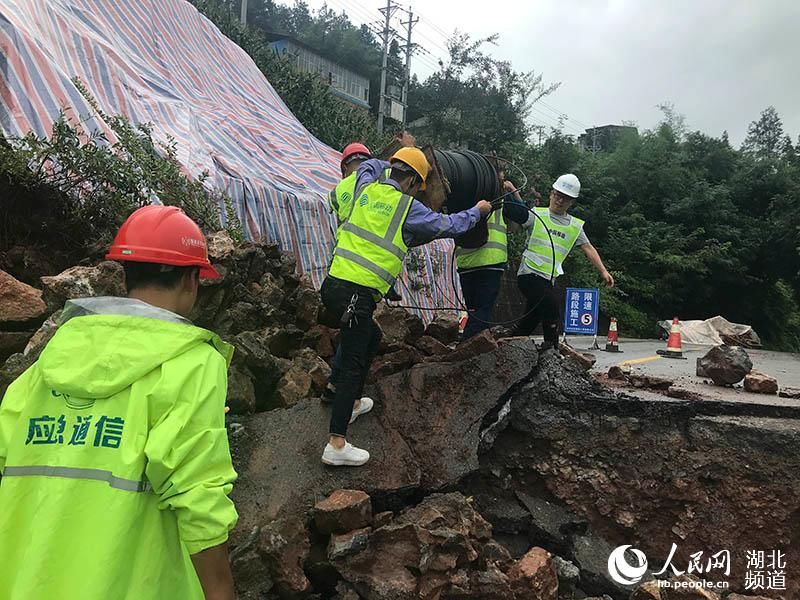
x=115, y=459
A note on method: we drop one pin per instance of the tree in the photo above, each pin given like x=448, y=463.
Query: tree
x=474, y=100
x=765, y=138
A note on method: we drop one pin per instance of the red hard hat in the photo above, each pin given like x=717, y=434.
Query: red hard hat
x=355, y=148
x=162, y=235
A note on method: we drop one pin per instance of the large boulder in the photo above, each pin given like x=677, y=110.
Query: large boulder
x=725, y=365
x=19, y=302
x=427, y=419
x=106, y=279
x=343, y=511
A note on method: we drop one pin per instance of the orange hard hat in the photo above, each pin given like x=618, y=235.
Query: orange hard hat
x=163, y=235
x=415, y=159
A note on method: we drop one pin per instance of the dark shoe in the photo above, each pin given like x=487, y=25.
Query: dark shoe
x=545, y=346
x=328, y=394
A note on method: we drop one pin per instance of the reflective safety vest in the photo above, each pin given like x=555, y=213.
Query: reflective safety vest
x=340, y=198
x=539, y=253
x=370, y=248
x=493, y=252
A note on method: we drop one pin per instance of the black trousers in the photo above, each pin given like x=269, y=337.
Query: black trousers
x=358, y=345
x=480, y=288
x=541, y=305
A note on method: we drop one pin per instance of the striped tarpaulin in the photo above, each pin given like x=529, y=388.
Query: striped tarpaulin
x=162, y=62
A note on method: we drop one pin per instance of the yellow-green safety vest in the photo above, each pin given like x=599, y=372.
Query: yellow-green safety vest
x=493, y=252
x=370, y=248
x=340, y=198
x=539, y=253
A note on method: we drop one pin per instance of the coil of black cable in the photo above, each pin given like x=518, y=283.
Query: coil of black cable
x=472, y=178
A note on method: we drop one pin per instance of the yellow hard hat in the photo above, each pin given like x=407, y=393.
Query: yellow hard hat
x=414, y=158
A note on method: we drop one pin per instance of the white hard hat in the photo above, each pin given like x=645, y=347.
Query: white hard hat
x=568, y=185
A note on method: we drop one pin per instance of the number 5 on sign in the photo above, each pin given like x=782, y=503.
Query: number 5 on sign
x=580, y=311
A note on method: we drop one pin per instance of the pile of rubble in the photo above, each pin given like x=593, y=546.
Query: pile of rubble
x=496, y=471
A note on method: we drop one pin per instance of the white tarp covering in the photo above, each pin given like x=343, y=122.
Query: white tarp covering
x=716, y=331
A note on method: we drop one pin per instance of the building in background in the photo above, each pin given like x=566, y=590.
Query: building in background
x=345, y=83
x=605, y=138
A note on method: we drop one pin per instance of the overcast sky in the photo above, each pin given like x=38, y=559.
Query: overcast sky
x=720, y=62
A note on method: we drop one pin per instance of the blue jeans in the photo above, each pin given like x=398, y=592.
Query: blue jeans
x=480, y=288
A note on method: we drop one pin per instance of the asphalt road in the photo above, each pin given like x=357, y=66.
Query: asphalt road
x=641, y=356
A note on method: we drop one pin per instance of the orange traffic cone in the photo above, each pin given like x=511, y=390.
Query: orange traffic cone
x=612, y=343
x=674, y=349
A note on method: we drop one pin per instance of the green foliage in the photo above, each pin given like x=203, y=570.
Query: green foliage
x=332, y=120
x=72, y=191
x=475, y=100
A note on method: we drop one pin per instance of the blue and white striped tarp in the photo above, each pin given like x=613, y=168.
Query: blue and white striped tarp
x=162, y=62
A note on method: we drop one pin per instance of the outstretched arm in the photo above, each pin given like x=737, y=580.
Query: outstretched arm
x=593, y=256
x=424, y=225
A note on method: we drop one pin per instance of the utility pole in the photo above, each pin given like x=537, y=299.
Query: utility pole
x=409, y=49
x=243, y=15
x=387, y=11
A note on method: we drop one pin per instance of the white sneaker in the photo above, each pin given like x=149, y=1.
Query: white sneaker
x=349, y=456
x=363, y=408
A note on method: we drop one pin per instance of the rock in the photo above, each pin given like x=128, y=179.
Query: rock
x=583, y=359
x=382, y=518
x=241, y=392
x=220, y=246
x=241, y=316
x=741, y=597
x=306, y=304
x=320, y=339
x=649, y=590
x=13, y=367
x=398, y=325
x=682, y=394
x=270, y=290
x=534, y=576
x=725, y=365
x=343, y=511
x=652, y=382
x=43, y=335
x=789, y=392
x=106, y=279
x=479, y=344
x=284, y=546
x=618, y=372
x=427, y=550
x=394, y=362
x=345, y=544
x=551, y=524
x=19, y=302
x=760, y=383
x=295, y=385
x=12, y=342
x=444, y=327
x=700, y=370
x=430, y=346
x=282, y=342
x=345, y=591
x=568, y=576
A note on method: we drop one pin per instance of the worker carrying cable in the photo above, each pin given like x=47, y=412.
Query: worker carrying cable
x=480, y=270
x=115, y=462
x=542, y=261
x=386, y=220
